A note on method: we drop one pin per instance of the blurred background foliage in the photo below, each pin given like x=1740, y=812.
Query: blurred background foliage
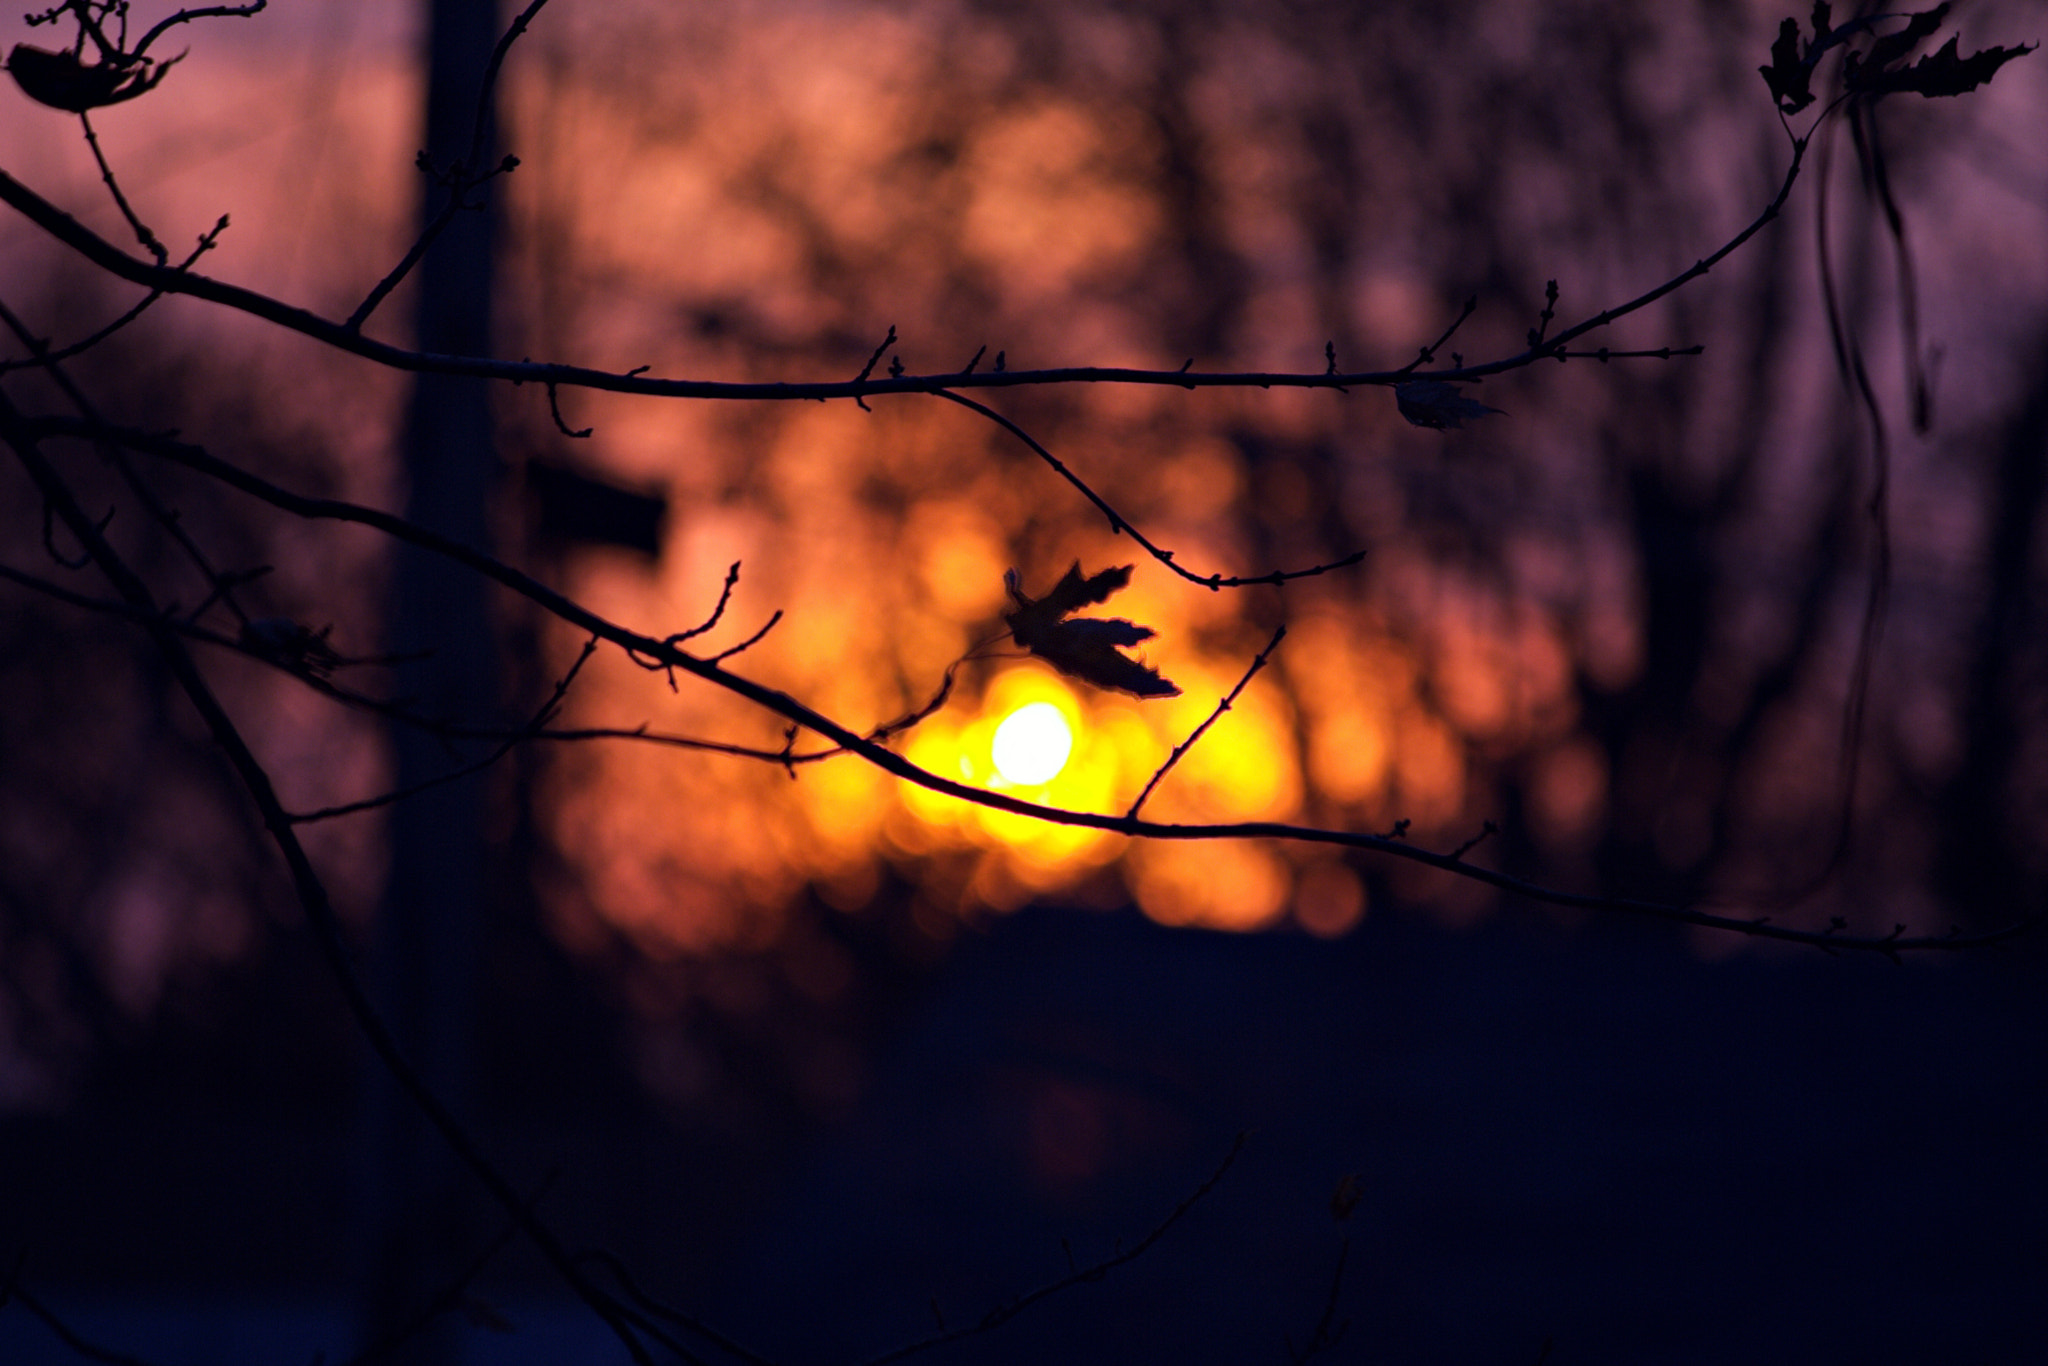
x=1619, y=621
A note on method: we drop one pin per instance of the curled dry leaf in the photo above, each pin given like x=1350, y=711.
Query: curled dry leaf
x=1087, y=648
x=1435, y=404
x=62, y=81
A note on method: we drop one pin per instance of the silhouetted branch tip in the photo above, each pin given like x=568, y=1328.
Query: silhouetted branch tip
x=1258, y=663
x=749, y=643
x=868, y=369
x=555, y=408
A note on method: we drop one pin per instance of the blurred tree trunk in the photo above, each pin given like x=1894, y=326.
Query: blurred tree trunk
x=426, y=952
x=1983, y=872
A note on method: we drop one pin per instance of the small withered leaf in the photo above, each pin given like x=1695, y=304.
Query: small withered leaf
x=61, y=81
x=1789, y=78
x=1086, y=648
x=1434, y=404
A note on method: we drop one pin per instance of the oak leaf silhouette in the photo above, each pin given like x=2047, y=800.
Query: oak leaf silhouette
x=1087, y=648
x=1946, y=72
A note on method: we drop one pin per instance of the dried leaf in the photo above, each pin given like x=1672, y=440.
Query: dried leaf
x=61, y=81
x=1944, y=73
x=1876, y=73
x=1789, y=78
x=1433, y=403
x=1086, y=648
x=1896, y=47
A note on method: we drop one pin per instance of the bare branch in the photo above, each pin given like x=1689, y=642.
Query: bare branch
x=790, y=709
x=343, y=336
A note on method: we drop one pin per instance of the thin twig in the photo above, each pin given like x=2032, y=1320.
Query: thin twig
x=861, y=379
x=452, y=1295
x=1223, y=706
x=555, y=409
x=1855, y=378
x=1328, y=1332
x=1118, y=525
x=142, y=233
x=1002, y=1314
x=1487, y=830
x=540, y=719
x=732, y=578
x=186, y=16
x=749, y=643
x=69, y=1336
x=1428, y=353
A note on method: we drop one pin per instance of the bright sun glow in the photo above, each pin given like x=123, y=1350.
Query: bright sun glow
x=1032, y=744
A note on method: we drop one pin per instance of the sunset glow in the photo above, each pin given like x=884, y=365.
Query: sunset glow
x=1032, y=744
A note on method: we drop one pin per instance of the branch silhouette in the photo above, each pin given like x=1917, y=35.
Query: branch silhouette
x=1423, y=390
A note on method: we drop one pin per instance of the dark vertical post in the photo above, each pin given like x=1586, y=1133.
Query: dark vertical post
x=419, y=1230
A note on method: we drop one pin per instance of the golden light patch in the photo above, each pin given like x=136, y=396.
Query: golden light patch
x=1032, y=744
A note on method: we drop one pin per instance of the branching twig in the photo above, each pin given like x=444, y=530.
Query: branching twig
x=307, y=884
x=221, y=586
x=207, y=241
x=460, y=178
x=547, y=712
x=790, y=709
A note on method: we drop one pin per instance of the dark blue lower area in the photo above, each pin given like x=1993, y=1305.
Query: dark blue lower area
x=1589, y=1137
